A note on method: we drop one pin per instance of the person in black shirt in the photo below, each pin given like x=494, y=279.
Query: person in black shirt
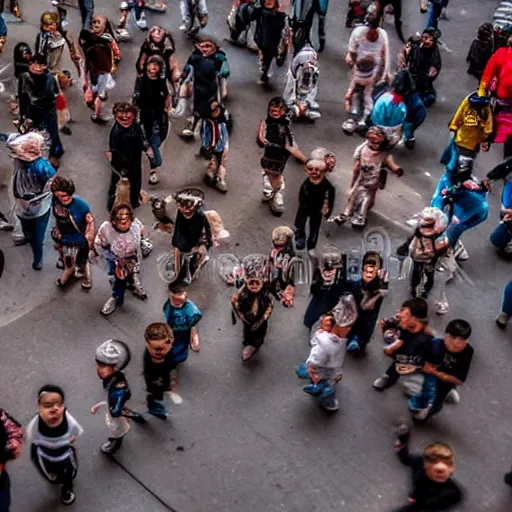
x=412, y=341
x=192, y=231
x=158, y=365
x=276, y=137
x=448, y=363
x=152, y=97
x=126, y=143
x=270, y=36
x=433, y=489
x=316, y=200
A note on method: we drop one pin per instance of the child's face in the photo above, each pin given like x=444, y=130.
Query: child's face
x=123, y=220
x=404, y=318
x=157, y=34
x=254, y=285
x=455, y=344
x=104, y=371
x=125, y=118
x=276, y=112
x=187, y=209
x=369, y=273
x=207, y=48
x=51, y=409
x=327, y=323
x=49, y=27
x=153, y=70
x=427, y=230
x=177, y=299
x=158, y=349
x=427, y=41
x=439, y=471
x=315, y=171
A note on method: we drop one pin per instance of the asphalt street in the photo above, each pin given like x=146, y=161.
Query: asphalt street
x=246, y=437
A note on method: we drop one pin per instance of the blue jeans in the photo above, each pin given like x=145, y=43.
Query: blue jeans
x=468, y=220
x=501, y=236
x=86, y=11
x=507, y=299
x=155, y=142
x=5, y=492
x=416, y=114
x=434, y=11
x=426, y=396
x=35, y=230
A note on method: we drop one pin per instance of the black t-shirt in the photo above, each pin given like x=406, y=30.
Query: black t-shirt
x=158, y=375
x=455, y=364
x=415, y=348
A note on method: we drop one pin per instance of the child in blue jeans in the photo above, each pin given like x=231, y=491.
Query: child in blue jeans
x=324, y=366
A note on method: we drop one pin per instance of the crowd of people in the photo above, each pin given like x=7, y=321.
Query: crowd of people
x=383, y=107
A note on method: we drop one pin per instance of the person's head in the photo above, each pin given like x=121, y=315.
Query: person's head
x=477, y=102
x=98, y=24
x=456, y=335
x=375, y=138
x=111, y=356
x=125, y=113
x=277, y=107
x=372, y=263
x=49, y=21
x=159, y=340
x=485, y=32
x=50, y=400
x=156, y=34
x=281, y=237
x=439, y=462
x=344, y=315
x=122, y=217
x=373, y=16
x=315, y=170
x=22, y=53
x=189, y=201
x=63, y=189
x=270, y=4
x=255, y=269
x=329, y=263
x=207, y=47
x=428, y=37
x=327, y=322
x=155, y=67
x=413, y=315
x=177, y=294
x=37, y=64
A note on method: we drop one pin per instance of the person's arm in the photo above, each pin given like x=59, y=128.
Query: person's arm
x=501, y=171
x=117, y=398
x=292, y=148
x=356, y=169
x=136, y=98
x=458, y=119
x=391, y=349
x=430, y=369
x=490, y=72
x=235, y=303
x=331, y=197
x=261, y=140
x=89, y=230
x=75, y=427
x=141, y=60
x=266, y=315
x=353, y=46
x=207, y=231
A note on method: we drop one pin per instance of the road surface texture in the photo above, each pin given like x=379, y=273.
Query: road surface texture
x=246, y=437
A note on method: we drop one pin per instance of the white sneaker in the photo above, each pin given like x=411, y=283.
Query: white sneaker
x=453, y=397
x=175, y=398
x=187, y=132
x=460, y=253
x=109, y=307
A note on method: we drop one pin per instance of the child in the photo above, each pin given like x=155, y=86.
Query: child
x=126, y=143
x=282, y=259
x=316, y=200
x=447, y=366
x=432, y=486
x=271, y=36
x=480, y=51
x=101, y=55
x=276, y=137
x=472, y=126
x=369, y=292
x=113, y=356
x=411, y=344
x=158, y=367
x=324, y=365
x=52, y=434
x=369, y=174
x=182, y=316
x=427, y=245
x=253, y=304
x=215, y=146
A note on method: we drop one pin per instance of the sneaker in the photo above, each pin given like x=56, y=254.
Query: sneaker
x=111, y=446
x=66, y=130
x=221, y=185
x=187, y=132
x=5, y=226
x=331, y=404
x=339, y=219
x=442, y=307
x=37, y=265
x=109, y=307
x=460, y=252
x=98, y=119
x=20, y=239
x=302, y=371
x=175, y=397
x=422, y=414
x=353, y=346
x=502, y=320
x=381, y=383
x=153, y=178
x=409, y=143
x=453, y=397
x=157, y=408
x=315, y=389
x=300, y=244
x=67, y=496
x=403, y=432
x=312, y=253
x=203, y=20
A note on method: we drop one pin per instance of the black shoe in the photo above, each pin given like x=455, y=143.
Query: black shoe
x=409, y=144
x=508, y=478
x=135, y=416
x=321, y=46
x=66, y=130
x=67, y=496
x=111, y=446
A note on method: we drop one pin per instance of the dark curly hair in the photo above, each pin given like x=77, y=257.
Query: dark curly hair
x=63, y=184
x=124, y=106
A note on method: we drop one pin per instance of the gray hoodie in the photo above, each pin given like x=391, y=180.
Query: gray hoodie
x=327, y=354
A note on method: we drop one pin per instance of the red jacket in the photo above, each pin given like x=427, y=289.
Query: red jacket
x=499, y=67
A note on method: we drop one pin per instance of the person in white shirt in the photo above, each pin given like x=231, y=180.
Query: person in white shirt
x=324, y=366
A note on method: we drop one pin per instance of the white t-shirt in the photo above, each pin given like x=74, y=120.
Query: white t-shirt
x=369, y=51
x=327, y=354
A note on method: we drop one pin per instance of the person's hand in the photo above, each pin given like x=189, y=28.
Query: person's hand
x=485, y=146
x=73, y=439
x=432, y=72
x=108, y=155
x=349, y=60
x=16, y=451
x=411, y=500
x=444, y=192
x=382, y=323
x=94, y=409
x=487, y=184
x=429, y=368
x=150, y=153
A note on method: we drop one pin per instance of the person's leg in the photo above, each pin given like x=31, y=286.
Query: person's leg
x=37, y=238
x=433, y=14
x=265, y=62
x=420, y=403
x=119, y=290
x=155, y=142
x=368, y=101
x=416, y=274
x=501, y=236
x=52, y=125
x=155, y=403
x=429, y=270
x=315, y=221
x=442, y=390
x=185, y=14
x=300, y=228
x=507, y=299
x=135, y=178
x=467, y=221
x=5, y=491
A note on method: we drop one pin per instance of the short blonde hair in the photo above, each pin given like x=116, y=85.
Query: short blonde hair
x=158, y=331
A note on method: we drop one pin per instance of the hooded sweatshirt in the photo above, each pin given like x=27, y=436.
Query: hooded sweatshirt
x=327, y=354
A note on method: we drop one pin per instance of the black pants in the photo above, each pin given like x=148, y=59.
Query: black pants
x=442, y=390
x=392, y=374
x=255, y=338
x=266, y=57
x=5, y=492
x=418, y=271
x=365, y=325
x=315, y=220
x=65, y=471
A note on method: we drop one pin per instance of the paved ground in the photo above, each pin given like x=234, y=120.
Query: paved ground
x=247, y=438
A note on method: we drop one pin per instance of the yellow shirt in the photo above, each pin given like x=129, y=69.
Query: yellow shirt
x=471, y=126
